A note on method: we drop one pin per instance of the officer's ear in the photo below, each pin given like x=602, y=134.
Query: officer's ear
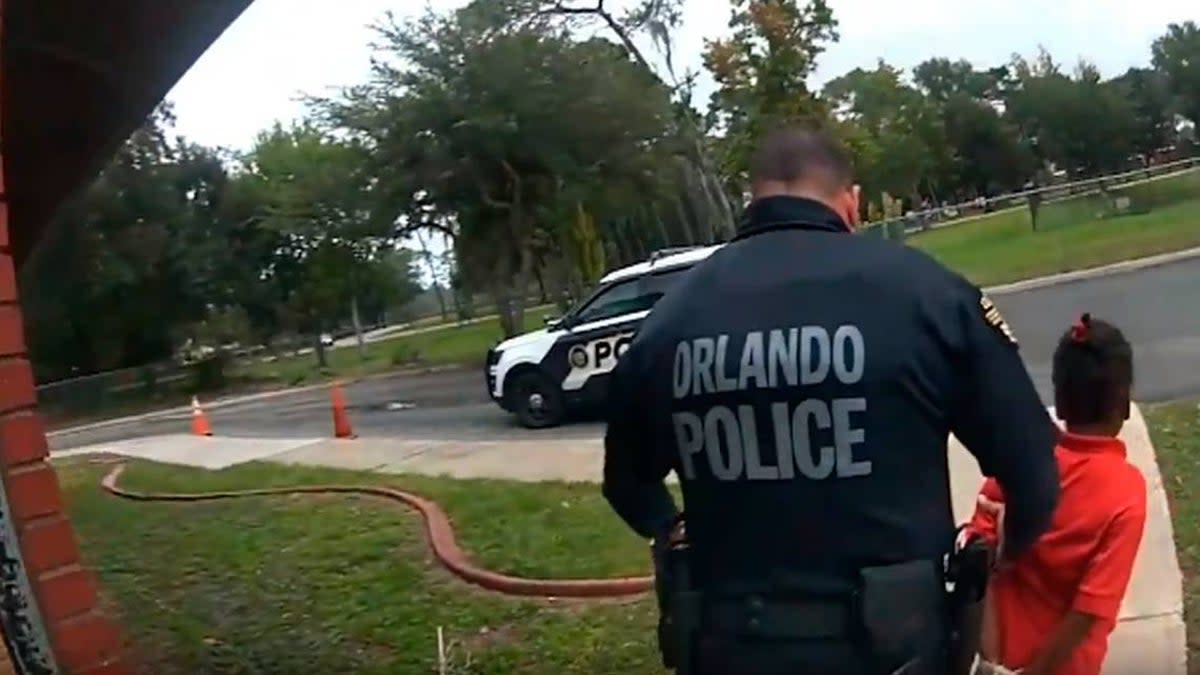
x=850, y=204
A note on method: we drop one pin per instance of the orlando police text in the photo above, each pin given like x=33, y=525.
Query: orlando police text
x=811, y=437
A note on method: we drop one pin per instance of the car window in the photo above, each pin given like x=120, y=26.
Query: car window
x=627, y=297
x=660, y=283
x=612, y=301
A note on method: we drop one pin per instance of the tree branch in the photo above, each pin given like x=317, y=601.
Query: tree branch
x=613, y=25
x=512, y=173
x=426, y=224
x=489, y=200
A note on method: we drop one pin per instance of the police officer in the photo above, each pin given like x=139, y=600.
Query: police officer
x=802, y=383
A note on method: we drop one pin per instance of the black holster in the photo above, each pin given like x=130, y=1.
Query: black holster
x=903, y=610
x=967, y=574
x=678, y=604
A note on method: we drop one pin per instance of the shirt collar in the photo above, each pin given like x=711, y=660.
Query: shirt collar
x=773, y=213
x=1081, y=443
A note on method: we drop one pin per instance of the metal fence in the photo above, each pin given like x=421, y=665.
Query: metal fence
x=81, y=397
x=78, y=395
x=963, y=213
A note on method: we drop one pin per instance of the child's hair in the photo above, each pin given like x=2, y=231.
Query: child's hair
x=1093, y=372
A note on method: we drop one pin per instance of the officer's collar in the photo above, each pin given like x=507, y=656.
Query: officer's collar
x=773, y=213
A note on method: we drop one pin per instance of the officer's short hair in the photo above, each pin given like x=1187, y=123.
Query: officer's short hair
x=794, y=154
x=1092, y=371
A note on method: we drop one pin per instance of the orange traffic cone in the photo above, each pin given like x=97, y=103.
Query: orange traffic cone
x=200, y=426
x=341, y=420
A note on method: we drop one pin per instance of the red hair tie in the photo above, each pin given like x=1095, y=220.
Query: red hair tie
x=1082, y=328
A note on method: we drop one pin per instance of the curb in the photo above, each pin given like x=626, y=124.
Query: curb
x=1094, y=272
x=438, y=530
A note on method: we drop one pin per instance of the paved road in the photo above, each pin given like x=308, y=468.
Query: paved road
x=1159, y=308
x=448, y=405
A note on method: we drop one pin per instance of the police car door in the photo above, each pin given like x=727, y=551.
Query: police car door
x=584, y=358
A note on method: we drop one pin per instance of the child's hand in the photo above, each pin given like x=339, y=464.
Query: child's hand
x=989, y=668
x=996, y=510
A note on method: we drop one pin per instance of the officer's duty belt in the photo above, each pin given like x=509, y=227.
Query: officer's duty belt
x=779, y=619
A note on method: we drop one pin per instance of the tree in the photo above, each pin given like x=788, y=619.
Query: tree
x=698, y=172
x=491, y=130
x=1078, y=122
x=391, y=280
x=909, y=153
x=942, y=79
x=137, y=272
x=990, y=156
x=317, y=195
x=1177, y=54
x=1148, y=92
x=761, y=74
x=985, y=152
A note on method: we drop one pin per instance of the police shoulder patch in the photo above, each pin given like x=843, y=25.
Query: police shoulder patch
x=991, y=314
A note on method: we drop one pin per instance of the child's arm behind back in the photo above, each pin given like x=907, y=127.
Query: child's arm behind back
x=1105, y=580
x=1106, y=577
x=984, y=523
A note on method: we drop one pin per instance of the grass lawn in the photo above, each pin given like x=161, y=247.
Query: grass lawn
x=346, y=584
x=1004, y=247
x=343, y=584
x=1176, y=432
x=451, y=345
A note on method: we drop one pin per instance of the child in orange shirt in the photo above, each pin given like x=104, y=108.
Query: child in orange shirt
x=1051, y=611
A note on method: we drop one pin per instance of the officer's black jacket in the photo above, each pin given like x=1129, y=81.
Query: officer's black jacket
x=932, y=357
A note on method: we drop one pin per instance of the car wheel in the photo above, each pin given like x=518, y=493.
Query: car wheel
x=535, y=400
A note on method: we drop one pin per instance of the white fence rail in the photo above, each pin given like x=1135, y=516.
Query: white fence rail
x=948, y=215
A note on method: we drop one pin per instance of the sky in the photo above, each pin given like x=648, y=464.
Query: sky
x=279, y=49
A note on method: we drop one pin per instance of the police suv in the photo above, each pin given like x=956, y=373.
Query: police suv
x=543, y=376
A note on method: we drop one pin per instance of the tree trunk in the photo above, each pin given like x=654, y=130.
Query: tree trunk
x=618, y=238
x=639, y=242
x=725, y=225
x=504, y=311
x=516, y=281
x=688, y=234
x=510, y=305
x=441, y=298
x=319, y=349
x=437, y=283
x=702, y=202
x=358, y=331
x=541, y=282
x=662, y=228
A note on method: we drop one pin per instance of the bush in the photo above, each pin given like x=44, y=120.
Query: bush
x=404, y=354
x=209, y=372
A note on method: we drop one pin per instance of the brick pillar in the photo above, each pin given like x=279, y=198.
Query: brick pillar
x=48, y=604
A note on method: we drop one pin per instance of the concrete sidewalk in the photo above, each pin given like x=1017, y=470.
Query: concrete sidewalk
x=186, y=450
x=1150, y=638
